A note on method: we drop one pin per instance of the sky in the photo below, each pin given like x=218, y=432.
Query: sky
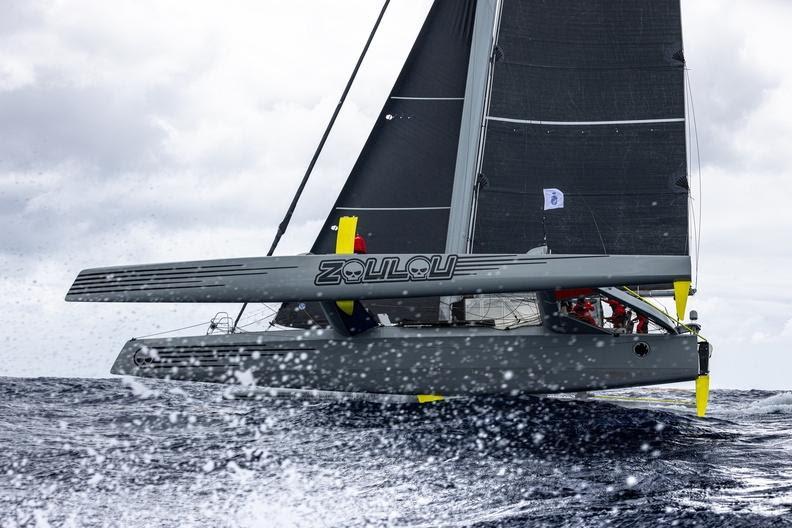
x=165, y=130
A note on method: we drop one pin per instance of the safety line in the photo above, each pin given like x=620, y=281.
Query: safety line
x=662, y=309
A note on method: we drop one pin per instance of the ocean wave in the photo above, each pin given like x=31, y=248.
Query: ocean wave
x=126, y=453
x=776, y=404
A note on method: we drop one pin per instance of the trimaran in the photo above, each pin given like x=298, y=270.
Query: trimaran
x=526, y=177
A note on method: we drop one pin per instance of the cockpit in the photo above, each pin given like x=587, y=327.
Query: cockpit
x=612, y=310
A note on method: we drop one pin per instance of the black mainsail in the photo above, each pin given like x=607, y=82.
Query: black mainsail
x=400, y=186
x=587, y=97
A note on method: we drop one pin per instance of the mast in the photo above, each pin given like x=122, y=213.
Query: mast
x=472, y=129
x=471, y=135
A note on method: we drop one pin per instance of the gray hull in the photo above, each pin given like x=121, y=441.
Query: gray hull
x=447, y=361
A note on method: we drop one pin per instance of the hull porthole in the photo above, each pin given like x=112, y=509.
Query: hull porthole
x=641, y=349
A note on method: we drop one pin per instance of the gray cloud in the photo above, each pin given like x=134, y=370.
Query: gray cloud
x=20, y=16
x=47, y=125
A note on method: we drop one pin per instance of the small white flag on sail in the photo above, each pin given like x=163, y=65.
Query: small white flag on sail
x=553, y=199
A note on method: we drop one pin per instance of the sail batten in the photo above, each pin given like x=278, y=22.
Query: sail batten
x=393, y=208
x=429, y=98
x=586, y=123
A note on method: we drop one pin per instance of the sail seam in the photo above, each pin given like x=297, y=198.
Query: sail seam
x=428, y=98
x=586, y=123
x=391, y=208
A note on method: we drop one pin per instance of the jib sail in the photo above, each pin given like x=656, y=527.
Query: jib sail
x=400, y=187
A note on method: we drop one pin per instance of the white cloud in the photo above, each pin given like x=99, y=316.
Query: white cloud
x=787, y=331
x=14, y=73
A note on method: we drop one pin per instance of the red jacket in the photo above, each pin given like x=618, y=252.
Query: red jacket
x=583, y=311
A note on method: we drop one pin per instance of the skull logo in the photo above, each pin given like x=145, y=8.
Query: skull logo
x=353, y=271
x=418, y=268
x=143, y=357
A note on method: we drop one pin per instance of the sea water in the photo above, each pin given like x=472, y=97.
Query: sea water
x=113, y=452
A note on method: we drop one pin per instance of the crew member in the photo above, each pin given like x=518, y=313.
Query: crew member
x=643, y=324
x=618, y=313
x=360, y=245
x=584, y=310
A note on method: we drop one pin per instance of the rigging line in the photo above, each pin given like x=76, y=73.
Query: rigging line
x=688, y=159
x=257, y=321
x=596, y=225
x=174, y=330
x=663, y=309
x=695, y=236
x=698, y=163
x=255, y=314
x=691, y=247
x=268, y=311
x=287, y=218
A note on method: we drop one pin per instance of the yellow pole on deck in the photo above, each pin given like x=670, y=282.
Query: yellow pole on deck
x=681, y=293
x=345, y=245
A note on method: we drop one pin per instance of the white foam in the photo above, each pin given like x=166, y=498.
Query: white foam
x=776, y=404
x=139, y=390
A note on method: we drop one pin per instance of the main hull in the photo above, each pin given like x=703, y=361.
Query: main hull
x=429, y=360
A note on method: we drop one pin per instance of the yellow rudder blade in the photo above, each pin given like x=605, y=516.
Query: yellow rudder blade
x=702, y=394
x=681, y=292
x=345, y=245
x=428, y=398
